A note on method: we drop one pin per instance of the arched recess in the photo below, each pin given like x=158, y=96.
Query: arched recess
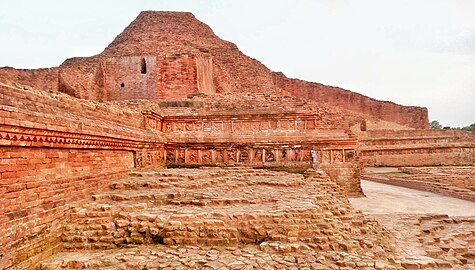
x=143, y=66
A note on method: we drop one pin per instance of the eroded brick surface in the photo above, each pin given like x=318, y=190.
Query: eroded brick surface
x=232, y=218
x=433, y=241
x=217, y=207
x=288, y=256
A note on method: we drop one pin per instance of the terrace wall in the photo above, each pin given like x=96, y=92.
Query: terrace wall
x=54, y=151
x=417, y=148
x=410, y=116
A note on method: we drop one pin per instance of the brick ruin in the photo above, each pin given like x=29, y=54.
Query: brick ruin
x=167, y=92
x=417, y=147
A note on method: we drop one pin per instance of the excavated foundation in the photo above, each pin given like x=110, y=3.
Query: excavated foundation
x=222, y=217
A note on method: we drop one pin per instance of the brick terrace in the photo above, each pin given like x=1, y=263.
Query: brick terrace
x=233, y=218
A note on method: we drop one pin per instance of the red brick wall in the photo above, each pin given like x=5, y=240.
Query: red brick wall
x=82, y=77
x=36, y=188
x=177, y=77
x=42, y=79
x=417, y=148
x=413, y=117
x=158, y=79
x=125, y=80
x=54, y=150
x=346, y=175
x=205, y=74
x=455, y=176
x=59, y=112
x=420, y=157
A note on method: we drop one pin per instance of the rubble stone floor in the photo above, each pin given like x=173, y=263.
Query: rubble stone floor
x=243, y=218
x=431, y=230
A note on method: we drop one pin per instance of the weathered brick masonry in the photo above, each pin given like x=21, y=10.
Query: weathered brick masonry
x=168, y=91
x=417, y=147
x=56, y=150
x=409, y=116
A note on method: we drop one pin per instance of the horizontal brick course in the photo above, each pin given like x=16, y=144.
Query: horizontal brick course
x=417, y=148
x=54, y=151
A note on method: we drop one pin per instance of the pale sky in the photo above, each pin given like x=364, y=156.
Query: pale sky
x=412, y=52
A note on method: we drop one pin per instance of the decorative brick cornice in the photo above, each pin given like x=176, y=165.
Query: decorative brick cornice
x=31, y=137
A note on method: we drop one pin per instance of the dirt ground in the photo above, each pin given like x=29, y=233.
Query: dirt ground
x=388, y=199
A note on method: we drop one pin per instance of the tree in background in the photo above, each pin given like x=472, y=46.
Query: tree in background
x=470, y=128
x=435, y=125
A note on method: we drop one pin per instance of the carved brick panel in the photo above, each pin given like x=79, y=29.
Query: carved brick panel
x=249, y=154
x=240, y=124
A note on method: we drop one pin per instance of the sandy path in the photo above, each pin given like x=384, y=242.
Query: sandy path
x=388, y=199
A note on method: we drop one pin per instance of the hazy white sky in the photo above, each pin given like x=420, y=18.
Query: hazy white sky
x=412, y=52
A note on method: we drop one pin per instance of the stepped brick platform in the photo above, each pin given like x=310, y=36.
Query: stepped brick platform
x=214, y=217
x=454, y=181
